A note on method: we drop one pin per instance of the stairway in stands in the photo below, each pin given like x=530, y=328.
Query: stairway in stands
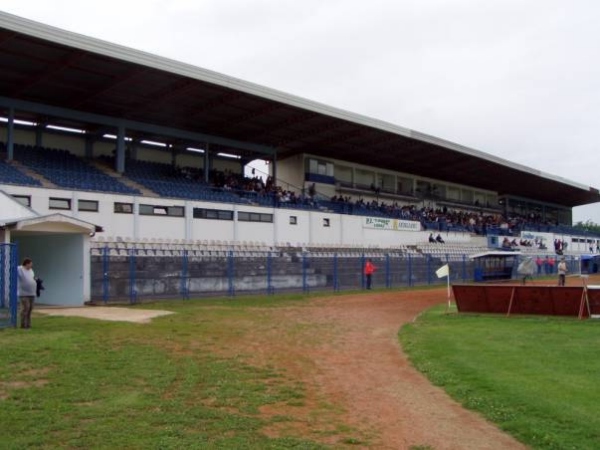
x=36, y=176
x=123, y=179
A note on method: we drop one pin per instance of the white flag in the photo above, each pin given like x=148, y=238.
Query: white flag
x=443, y=271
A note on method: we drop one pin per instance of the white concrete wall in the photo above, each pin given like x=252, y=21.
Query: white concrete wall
x=309, y=228
x=10, y=209
x=60, y=260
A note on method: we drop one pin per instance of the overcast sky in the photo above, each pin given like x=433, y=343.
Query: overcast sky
x=519, y=79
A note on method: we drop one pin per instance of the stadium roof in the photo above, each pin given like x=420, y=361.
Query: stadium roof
x=44, y=65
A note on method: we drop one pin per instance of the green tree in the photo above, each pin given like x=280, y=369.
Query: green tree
x=588, y=225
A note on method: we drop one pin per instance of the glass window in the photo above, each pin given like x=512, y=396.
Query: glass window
x=87, y=205
x=213, y=214
x=124, y=208
x=59, y=203
x=254, y=217
x=24, y=200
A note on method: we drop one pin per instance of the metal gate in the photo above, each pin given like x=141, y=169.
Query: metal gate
x=8, y=285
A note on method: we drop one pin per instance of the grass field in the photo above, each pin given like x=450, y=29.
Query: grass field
x=198, y=379
x=536, y=377
x=80, y=383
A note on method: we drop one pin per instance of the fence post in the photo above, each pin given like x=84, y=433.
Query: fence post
x=105, y=267
x=361, y=271
x=429, y=269
x=388, y=275
x=5, y=276
x=14, y=299
x=230, y=274
x=132, y=276
x=336, y=281
x=184, y=290
x=410, y=283
x=304, y=274
x=270, y=290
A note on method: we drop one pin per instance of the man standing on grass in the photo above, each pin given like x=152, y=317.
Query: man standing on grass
x=26, y=287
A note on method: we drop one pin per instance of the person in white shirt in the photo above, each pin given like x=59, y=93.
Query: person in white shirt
x=26, y=287
x=562, y=271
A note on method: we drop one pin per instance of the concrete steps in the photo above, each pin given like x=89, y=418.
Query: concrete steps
x=29, y=172
x=123, y=179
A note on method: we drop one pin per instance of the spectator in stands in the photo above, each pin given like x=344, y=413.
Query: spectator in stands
x=431, y=238
x=26, y=288
x=369, y=271
x=562, y=271
x=439, y=239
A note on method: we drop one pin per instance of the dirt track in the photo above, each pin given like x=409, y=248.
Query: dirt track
x=345, y=349
x=362, y=367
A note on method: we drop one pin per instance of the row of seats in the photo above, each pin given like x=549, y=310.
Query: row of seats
x=66, y=170
x=11, y=175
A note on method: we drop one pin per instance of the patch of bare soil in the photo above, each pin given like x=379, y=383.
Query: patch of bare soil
x=345, y=350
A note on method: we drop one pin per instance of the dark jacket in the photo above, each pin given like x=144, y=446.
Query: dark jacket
x=40, y=286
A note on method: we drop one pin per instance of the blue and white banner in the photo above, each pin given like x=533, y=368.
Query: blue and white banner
x=379, y=223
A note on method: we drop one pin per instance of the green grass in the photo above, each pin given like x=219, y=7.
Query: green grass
x=79, y=383
x=538, y=378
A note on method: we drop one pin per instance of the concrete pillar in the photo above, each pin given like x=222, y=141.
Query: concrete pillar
x=10, y=135
x=275, y=167
x=89, y=147
x=121, y=149
x=136, y=218
x=173, y=155
x=206, y=162
x=39, y=135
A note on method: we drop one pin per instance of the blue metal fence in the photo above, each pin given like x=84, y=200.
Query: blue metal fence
x=133, y=274
x=8, y=285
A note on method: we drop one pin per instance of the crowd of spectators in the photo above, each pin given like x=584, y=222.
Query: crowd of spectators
x=477, y=220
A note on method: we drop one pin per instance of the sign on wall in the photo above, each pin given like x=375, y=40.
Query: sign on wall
x=379, y=223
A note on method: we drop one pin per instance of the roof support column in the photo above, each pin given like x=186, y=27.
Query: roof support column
x=121, y=149
x=274, y=170
x=173, y=155
x=89, y=147
x=39, y=135
x=133, y=147
x=10, y=135
x=206, y=161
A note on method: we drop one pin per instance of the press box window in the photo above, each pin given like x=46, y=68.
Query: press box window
x=254, y=217
x=59, y=203
x=213, y=214
x=24, y=200
x=124, y=208
x=293, y=220
x=87, y=205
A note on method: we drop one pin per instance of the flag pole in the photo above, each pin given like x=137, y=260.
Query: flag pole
x=448, y=278
x=448, y=289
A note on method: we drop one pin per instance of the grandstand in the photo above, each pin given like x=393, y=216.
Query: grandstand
x=150, y=155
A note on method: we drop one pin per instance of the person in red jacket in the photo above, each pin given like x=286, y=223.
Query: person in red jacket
x=369, y=270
